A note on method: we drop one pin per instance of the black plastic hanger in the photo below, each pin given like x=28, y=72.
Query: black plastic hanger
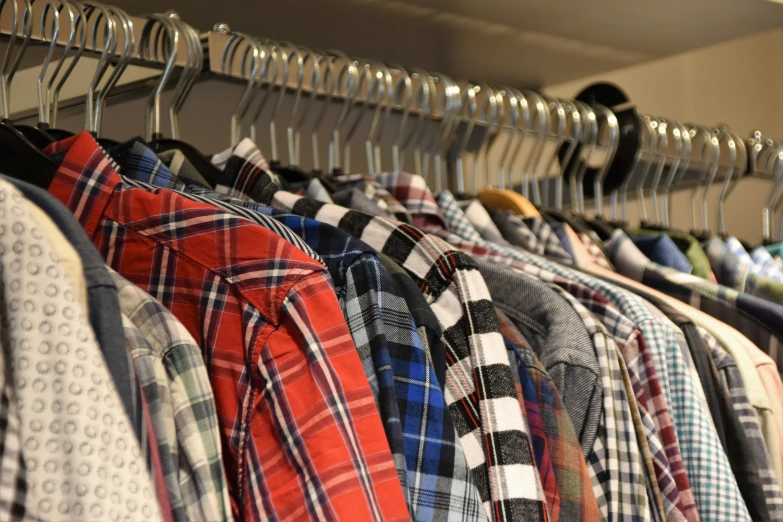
x=21, y=159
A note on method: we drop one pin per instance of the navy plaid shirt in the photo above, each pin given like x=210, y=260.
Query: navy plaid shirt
x=429, y=459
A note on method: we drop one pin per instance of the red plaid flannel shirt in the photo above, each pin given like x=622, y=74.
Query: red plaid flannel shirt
x=300, y=432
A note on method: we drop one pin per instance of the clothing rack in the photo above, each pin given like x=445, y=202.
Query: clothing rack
x=465, y=126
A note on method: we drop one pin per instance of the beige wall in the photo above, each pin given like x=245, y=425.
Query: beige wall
x=734, y=83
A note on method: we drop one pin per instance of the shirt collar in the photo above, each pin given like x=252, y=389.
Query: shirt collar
x=139, y=162
x=412, y=191
x=246, y=173
x=456, y=219
x=626, y=256
x=85, y=180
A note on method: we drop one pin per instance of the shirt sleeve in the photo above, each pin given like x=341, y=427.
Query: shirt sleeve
x=316, y=403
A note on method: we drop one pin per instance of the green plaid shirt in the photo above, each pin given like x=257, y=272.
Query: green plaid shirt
x=174, y=380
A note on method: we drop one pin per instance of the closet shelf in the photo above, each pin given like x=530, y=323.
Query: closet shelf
x=526, y=44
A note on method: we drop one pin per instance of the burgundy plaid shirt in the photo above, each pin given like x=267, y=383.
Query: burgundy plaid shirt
x=300, y=432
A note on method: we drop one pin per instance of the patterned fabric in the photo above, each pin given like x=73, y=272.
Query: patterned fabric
x=81, y=457
x=713, y=486
x=246, y=174
x=759, y=320
x=479, y=388
x=559, y=339
x=734, y=268
x=731, y=380
x=176, y=386
x=375, y=192
x=140, y=163
x=574, y=489
x=482, y=221
x=357, y=200
x=412, y=192
x=528, y=402
x=597, y=255
x=616, y=465
x=766, y=265
x=437, y=473
x=659, y=432
x=420, y=431
x=13, y=481
x=532, y=234
x=261, y=312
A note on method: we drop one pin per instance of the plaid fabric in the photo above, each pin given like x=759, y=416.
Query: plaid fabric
x=414, y=195
x=155, y=448
x=357, y=200
x=420, y=431
x=766, y=265
x=176, y=386
x=671, y=476
x=734, y=268
x=765, y=268
x=529, y=233
x=373, y=190
x=477, y=214
x=573, y=498
x=261, y=312
x=732, y=383
x=246, y=174
x=437, y=473
x=657, y=429
x=617, y=469
x=714, y=489
x=479, y=388
x=14, y=505
x=759, y=320
x=528, y=402
x=139, y=163
x=597, y=255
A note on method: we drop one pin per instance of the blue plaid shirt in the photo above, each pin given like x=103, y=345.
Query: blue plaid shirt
x=429, y=458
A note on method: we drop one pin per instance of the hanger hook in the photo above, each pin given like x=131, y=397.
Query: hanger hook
x=129, y=46
x=612, y=127
x=348, y=78
x=109, y=48
x=373, y=150
x=741, y=166
x=192, y=68
x=80, y=25
x=273, y=49
x=374, y=92
x=299, y=59
x=490, y=115
x=422, y=106
x=710, y=159
x=468, y=102
x=560, y=107
x=146, y=49
x=9, y=70
x=252, y=51
x=723, y=136
x=49, y=6
x=657, y=152
x=329, y=86
x=777, y=162
x=590, y=129
x=656, y=190
x=542, y=111
x=45, y=119
x=315, y=82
